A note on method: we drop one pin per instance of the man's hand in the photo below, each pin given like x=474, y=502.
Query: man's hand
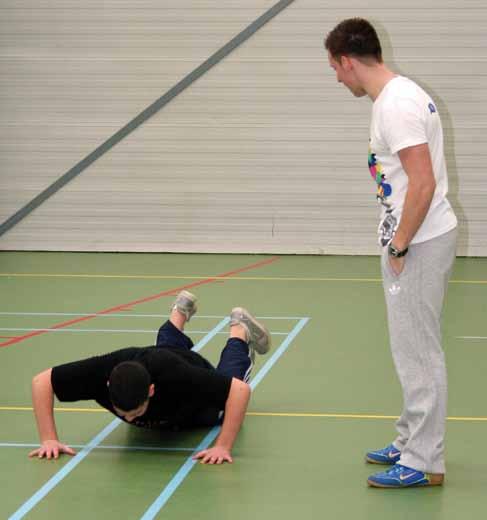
x=51, y=449
x=235, y=408
x=397, y=264
x=215, y=455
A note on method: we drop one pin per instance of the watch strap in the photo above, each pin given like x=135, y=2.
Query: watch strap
x=395, y=252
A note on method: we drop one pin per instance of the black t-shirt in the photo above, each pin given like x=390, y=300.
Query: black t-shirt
x=186, y=385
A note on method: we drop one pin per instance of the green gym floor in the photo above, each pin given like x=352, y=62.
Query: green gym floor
x=325, y=394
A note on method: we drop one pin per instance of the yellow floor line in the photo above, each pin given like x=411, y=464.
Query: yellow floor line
x=188, y=277
x=325, y=415
x=353, y=416
x=256, y=414
x=30, y=409
x=192, y=277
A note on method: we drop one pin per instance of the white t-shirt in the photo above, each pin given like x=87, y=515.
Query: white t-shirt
x=404, y=115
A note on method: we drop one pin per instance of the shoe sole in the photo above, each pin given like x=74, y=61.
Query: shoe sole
x=188, y=295
x=435, y=480
x=386, y=486
x=382, y=463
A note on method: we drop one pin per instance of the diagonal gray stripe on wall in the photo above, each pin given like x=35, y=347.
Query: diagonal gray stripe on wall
x=144, y=115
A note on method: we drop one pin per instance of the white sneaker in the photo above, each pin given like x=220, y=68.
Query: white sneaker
x=257, y=335
x=185, y=303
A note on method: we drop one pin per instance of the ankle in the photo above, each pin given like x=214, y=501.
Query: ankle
x=178, y=319
x=238, y=331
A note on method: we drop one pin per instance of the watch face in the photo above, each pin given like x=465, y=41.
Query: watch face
x=393, y=251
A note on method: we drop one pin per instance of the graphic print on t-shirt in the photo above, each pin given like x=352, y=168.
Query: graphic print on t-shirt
x=387, y=226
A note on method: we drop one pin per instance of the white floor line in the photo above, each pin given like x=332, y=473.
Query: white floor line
x=134, y=331
x=31, y=502
x=99, y=447
x=133, y=315
x=186, y=468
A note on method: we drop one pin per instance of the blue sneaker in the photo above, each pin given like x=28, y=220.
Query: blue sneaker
x=388, y=455
x=401, y=477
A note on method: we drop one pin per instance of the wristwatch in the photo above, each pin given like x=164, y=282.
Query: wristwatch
x=395, y=252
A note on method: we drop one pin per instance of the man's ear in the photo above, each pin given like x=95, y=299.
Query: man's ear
x=152, y=390
x=346, y=63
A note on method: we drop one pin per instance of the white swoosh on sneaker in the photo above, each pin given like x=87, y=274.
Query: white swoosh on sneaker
x=393, y=454
x=405, y=477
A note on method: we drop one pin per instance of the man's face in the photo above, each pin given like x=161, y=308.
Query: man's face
x=345, y=74
x=137, y=412
x=132, y=414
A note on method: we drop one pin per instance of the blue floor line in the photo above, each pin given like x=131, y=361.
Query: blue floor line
x=223, y=323
x=99, y=447
x=54, y=481
x=185, y=469
x=66, y=469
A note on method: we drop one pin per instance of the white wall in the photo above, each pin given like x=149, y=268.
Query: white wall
x=265, y=153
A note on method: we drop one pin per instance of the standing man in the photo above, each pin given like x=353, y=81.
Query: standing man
x=417, y=234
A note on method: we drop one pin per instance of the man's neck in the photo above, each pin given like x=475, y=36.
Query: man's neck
x=376, y=78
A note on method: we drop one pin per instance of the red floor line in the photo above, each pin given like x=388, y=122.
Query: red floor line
x=170, y=292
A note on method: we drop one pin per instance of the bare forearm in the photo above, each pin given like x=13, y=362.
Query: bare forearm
x=416, y=161
x=235, y=409
x=416, y=207
x=43, y=402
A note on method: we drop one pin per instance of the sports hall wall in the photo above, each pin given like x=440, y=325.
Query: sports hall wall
x=263, y=153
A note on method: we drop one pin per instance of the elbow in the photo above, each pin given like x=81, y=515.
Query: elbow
x=36, y=380
x=242, y=387
x=424, y=190
x=246, y=387
x=247, y=390
x=427, y=185
x=42, y=378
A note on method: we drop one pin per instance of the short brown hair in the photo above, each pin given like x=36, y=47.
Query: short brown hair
x=355, y=37
x=129, y=385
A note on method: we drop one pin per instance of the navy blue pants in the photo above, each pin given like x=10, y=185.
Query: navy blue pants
x=234, y=362
x=234, y=359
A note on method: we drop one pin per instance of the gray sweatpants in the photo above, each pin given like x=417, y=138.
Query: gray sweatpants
x=414, y=301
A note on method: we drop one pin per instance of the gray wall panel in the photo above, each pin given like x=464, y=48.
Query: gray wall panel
x=265, y=153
